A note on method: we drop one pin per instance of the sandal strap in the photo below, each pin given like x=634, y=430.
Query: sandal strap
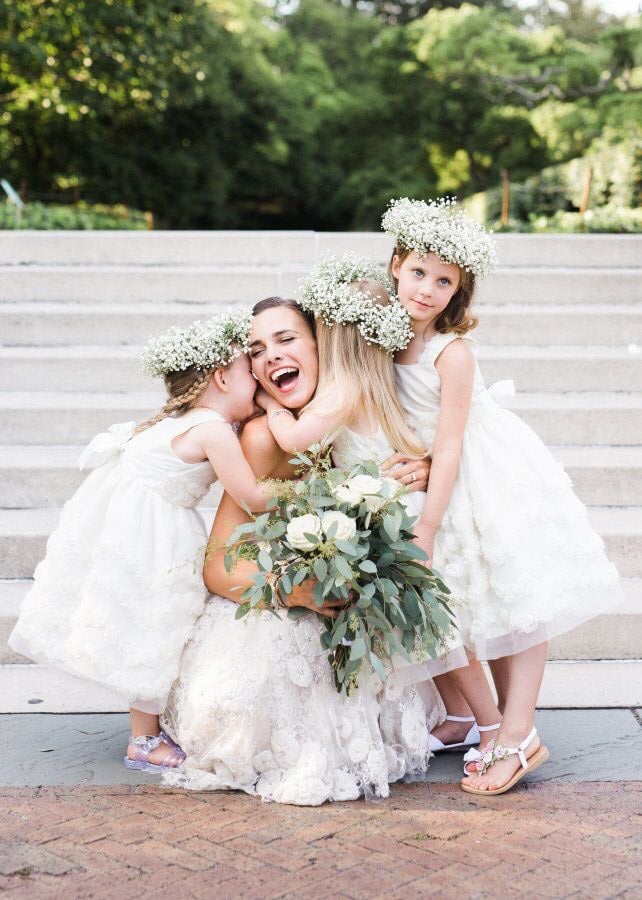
x=460, y=718
x=145, y=743
x=496, y=751
x=483, y=728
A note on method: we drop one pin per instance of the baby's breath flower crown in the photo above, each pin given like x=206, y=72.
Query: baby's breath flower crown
x=208, y=344
x=440, y=227
x=327, y=294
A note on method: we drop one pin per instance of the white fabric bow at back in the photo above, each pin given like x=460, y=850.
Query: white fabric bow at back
x=106, y=446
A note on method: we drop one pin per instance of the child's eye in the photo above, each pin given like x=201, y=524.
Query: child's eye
x=418, y=272
x=444, y=281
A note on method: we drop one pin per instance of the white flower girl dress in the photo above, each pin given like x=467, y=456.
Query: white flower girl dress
x=515, y=546
x=117, y=594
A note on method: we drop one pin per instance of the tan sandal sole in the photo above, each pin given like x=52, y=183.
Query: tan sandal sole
x=534, y=762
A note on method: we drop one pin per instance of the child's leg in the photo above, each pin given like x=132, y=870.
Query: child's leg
x=142, y=724
x=467, y=688
x=525, y=673
x=499, y=669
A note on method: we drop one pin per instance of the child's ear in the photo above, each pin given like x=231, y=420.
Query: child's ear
x=395, y=267
x=219, y=377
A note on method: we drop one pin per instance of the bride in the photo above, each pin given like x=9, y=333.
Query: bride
x=255, y=707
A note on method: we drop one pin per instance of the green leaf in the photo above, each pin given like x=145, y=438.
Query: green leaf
x=357, y=649
x=367, y=565
x=285, y=584
x=320, y=569
x=242, y=610
x=343, y=567
x=265, y=561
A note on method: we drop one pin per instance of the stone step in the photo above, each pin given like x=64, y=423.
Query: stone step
x=567, y=684
x=73, y=418
x=100, y=368
x=24, y=532
x=52, y=324
x=147, y=284
x=547, y=326
x=247, y=284
x=617, y=635
x=46, y=476
x=271, y=247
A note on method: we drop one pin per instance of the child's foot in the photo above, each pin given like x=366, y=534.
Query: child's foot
x=497, y=770
x=152, y=753
x=489, y=735
x=454, y=732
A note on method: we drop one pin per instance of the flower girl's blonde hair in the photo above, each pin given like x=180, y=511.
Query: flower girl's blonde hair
x=357, y=376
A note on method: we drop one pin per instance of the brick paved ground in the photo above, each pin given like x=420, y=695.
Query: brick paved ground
x=543, y=840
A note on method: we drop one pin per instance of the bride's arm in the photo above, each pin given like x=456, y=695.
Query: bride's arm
x=267, y=461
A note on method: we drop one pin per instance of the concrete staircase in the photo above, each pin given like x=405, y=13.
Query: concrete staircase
x=563, y=317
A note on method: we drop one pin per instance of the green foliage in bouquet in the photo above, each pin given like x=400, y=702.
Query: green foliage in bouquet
x=350, y=532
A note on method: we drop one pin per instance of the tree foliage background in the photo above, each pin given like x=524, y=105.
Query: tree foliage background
x=251, y=113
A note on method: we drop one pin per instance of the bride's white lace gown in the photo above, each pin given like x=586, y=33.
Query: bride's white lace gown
x=516, y=546
x=256, y=709
x=117, y=595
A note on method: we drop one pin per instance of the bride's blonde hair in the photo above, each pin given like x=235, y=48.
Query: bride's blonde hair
x=357, y=377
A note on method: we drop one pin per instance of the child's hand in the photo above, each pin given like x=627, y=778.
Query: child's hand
x=263, y=399
x=425, y=538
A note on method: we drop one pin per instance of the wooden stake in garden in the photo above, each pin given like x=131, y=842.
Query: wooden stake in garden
x=586, y=190
x=505, y=196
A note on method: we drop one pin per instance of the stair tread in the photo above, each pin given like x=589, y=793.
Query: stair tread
x=486, y=352
x=608, y=520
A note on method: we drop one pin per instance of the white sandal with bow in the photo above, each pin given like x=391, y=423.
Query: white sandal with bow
x=495, y=752
x=472, y=737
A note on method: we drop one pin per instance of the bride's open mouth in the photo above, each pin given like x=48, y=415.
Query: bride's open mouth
x=285, y=378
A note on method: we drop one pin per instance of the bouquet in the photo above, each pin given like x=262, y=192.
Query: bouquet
x=350, y=532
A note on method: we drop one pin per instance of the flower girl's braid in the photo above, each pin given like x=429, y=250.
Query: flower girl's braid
x=185, y=389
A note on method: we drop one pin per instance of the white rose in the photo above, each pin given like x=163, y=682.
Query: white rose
x=346, y=527
x=374, y=502
x=299, y=527
x=388, y=491
x=365, y=484
x=345, y=494
x=392, y=485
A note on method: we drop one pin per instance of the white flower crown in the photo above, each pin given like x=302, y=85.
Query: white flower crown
x=327, y=294
x=440, y=227
x=207, y=345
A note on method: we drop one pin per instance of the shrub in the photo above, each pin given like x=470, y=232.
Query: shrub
x=80, y=216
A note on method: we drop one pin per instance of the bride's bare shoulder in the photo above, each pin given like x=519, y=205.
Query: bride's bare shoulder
x=259, y=447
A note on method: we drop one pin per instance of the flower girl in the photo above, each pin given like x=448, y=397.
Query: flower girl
x=120, y=587
x=500, y=521
x=359, y=326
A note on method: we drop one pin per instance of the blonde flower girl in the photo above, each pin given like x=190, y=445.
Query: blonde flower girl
x=500, y=521
x=119, y=590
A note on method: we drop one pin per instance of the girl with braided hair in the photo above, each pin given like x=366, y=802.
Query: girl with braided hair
x=121, y=586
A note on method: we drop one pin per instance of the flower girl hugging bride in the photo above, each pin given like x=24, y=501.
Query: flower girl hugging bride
x=120, y=588
x=355, y=408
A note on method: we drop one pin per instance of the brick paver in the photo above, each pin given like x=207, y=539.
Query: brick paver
x=547, y=840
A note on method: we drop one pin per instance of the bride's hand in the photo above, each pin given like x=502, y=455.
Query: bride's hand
x=402, y=468
x=302, y=596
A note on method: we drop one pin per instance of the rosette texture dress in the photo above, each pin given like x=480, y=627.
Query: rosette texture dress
x=256, y=709
x=515, y=547
x=121, y=585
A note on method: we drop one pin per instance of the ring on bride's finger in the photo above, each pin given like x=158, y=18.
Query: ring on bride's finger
x=413, y=477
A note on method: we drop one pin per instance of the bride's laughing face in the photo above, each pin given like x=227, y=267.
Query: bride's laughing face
x=284, y=358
